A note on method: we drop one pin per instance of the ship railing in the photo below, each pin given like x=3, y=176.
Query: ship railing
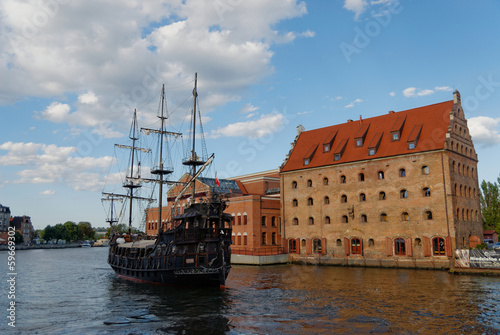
x=201, y=234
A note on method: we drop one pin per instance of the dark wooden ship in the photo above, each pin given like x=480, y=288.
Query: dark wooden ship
x=194, y=248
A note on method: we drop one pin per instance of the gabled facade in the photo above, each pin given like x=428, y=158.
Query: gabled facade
x=24, y=226
x=4, y=218
x=400, y=189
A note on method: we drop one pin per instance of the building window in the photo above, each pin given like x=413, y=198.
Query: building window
x=428, y=215
x=356, y=248
x=371, y=152
x=311, y=220
x=294, y=184
x=295, y=222
x=359, y=142
x=239, y=240
x=326, y=147
x=264, y=239
x=245, y=219
x=381, y=175
x=273, y=238
x=383, y=217
x=364, y=219
x=292, y=246
x=327, y=220
x=345, y=219
x=403, y=194
x=327, y=200
x=306, y=161
x=309, y=201
x=309, y=183
x=381, y=196
x=399, y=246
x=343, y=179
x=339, y=242
x=245, y=240
x=362, y=197
x=263, y=221
x=317, y=246
x=426, y=192
x=438, y=246
x=425, y=169
x=343, y=198
x=325, y=181
x=405, y=216
x=371, y=242
x=361, y=177
x=402, y=172
x=395, y=136
x=273, y=221
x=411, y=145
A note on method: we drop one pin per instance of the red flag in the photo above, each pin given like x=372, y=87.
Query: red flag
x=217, y=180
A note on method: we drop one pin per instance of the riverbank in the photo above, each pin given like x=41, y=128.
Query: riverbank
x=42, y=246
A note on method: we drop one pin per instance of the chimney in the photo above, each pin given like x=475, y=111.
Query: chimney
x=391, y=112
x=456, y=97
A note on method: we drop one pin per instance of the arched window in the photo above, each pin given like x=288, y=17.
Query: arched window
x=343, y=198
x=383, y=217
x=453, y=166
x=309, y=201
x=327, y=200
x=405, y=216
x=264, y=239
x=381, y=196
x=438, y=246
x=273, y=238
x=295, y=202
x=292, y=246
x=345, y=219
x=309, y=183
x=425, y=169
x=362, y=197
x=339, y=242
x=458, y=213
x=428, y=215
x=456, y=189
x=371, y=242
x=327, y=220
x=461, y=192
x=295, y=222
x=343, y=179
x=426, y=192
x=399, y=246
x=361, y=177
x=264, y=221
x=458, y=166
x=294, y=184
x=470, y=192
x=317, y=246
x=402, y=172
x=403, y=194
x=273, y=221
x=381, y=175
x=463, y=213
x=325, y=181
x=356, y=246
x=311, y=220
x=364, y=218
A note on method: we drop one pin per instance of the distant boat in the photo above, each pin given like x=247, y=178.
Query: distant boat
x=194, y=248
x=85, y=244
x=103, y=242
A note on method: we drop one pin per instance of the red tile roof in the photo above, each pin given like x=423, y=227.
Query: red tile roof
x=427, y=125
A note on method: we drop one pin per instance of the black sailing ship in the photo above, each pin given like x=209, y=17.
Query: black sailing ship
x=194, y=248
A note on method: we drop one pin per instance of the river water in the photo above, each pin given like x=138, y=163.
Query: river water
x=74, y=291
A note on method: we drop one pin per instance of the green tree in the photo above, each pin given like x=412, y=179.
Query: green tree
x=85, y=231
x=18, y=237
x=490, y=205
x=70, y=230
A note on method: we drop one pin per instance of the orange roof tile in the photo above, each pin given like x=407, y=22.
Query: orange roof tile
x=427, y=124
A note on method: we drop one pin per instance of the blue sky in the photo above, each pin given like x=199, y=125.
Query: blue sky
x=72, y=73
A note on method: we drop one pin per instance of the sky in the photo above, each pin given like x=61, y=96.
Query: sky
x=72, y=73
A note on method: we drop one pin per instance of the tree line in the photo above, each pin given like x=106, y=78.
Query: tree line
x=490, y=205
x=69, y=231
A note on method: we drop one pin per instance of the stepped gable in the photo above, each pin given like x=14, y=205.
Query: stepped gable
x=396, y=133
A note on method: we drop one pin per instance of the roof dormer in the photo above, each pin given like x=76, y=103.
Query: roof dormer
x=310, y=154
x=397, y=129
x=359, y=139
x=414, y=137
x=374, y=144
x=328, y=142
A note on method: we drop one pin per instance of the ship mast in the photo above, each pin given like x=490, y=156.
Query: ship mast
x=131, y=185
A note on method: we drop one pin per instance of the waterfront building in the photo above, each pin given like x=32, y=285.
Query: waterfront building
x=4, y=218
x=24, y=226
x=399, y=189
x=253, y=201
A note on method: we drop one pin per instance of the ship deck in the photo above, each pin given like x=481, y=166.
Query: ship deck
x=137, y=244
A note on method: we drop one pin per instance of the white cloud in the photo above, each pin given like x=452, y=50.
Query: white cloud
x=485, y=131
x=392, y=94
x=48, y=192
x=248, y=108
x=355, y=102
x=56, y=112
x=45, y=163
x=356, y=6
x=88, y=98
x=413, y=91
x=267, y=124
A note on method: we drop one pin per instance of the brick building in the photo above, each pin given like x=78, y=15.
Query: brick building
x=254, y=203
x=4, y=218
x=24, y=226
x=400, y=189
